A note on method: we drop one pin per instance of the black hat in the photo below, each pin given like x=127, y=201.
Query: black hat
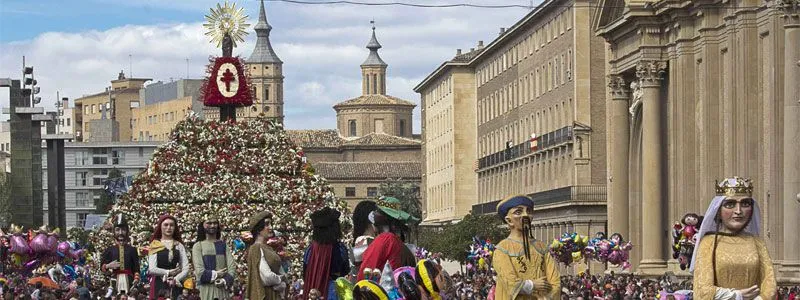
x=121, y=221
x=325, y=217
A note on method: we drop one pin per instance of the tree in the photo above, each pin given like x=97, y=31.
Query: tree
x=408, y=194
x=453, y=240
x=5, y=199
x=103, y=205
x=405, y=191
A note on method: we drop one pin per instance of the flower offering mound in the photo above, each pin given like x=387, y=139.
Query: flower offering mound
x=228, y=171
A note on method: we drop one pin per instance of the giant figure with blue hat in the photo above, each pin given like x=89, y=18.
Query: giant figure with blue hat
x=524, y=268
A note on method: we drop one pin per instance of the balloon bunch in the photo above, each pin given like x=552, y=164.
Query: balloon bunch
x=614, y=250
x=479, y=256
x=684, y=238
x=569, y=248
x=31, y=249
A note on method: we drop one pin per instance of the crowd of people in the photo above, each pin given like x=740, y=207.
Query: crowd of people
x=379, y=264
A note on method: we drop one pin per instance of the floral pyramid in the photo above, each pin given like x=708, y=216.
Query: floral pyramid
x=232, y=170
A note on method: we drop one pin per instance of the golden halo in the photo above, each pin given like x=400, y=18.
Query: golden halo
x=226, y=19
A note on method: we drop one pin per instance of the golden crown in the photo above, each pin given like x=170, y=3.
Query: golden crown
x=736, y=186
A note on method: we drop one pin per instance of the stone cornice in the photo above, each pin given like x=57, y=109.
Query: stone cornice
x=619, y=90
x=650, y=73
x=790, y=10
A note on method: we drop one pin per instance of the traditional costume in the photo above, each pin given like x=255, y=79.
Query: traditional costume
x=209, y=258
x=725, y=263
x=126, y=255
x=519, y=262
x=327, y=258
x=264, y=276
x=166, y=255
x=388, y=247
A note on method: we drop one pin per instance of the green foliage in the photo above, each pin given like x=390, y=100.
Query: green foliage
x=103, y=205
x=5, y=198
x=405, y=191
x=453, y=240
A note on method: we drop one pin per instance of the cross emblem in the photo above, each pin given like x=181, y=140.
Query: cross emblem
x=227, y=78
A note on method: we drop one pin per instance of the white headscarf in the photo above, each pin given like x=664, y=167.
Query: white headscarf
x=710, y=224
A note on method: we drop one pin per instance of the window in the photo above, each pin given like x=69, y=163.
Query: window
x=82, y=199
x=100, y=160
x=350, y=191
x=402, y=127
x=141, y=151
x=379, y=125
x=81, y=157
x=117, y=157
x=80, y=178
x=372, y=192
x=94, y=109
x=352, y=127
x=80, y=221
x=374, y=84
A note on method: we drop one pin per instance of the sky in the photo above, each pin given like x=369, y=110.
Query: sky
x=77, y=47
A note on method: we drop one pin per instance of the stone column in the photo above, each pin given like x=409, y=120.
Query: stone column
x=617, y=147
x=650, y=74
x=791, y=138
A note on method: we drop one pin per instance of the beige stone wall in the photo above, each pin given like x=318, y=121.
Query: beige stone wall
x=373, y=80
x=367, y=119
x=267, y=80
x=340, y=188
x=154, y=122
x=448, y=103
x=361, y=187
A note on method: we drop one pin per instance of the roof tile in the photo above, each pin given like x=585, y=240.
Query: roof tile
x=369, y=170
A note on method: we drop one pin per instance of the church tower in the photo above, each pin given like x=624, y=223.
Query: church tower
x=266, y=72
x=373, y=70
x=374, y=112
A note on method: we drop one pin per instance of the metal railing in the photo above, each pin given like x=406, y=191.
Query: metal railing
x=578, y=193
x=548, y=140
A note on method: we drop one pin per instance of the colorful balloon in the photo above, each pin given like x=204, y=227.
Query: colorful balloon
x=19, y=245
x=63, y=249
x=344, y=288
x=39, y=243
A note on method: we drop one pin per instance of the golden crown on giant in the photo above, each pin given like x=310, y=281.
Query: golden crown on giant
x=736, y=186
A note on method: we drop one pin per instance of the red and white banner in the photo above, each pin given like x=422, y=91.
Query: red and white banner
x=227, y=83
x=534, y=142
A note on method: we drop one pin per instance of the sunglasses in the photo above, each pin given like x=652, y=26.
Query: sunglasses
x=731, y=204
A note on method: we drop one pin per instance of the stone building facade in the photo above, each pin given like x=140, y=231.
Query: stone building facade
x=448, y=99
x=539, y=116
x=699, y=91
x=162, y=105
x=86, y=168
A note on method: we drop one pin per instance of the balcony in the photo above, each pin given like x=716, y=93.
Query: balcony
x=546, y=141
x=591, y=194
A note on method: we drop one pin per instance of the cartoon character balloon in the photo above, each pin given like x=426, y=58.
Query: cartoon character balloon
x=683, y=238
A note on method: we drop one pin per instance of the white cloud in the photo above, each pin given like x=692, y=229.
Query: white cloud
x=321, y=46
